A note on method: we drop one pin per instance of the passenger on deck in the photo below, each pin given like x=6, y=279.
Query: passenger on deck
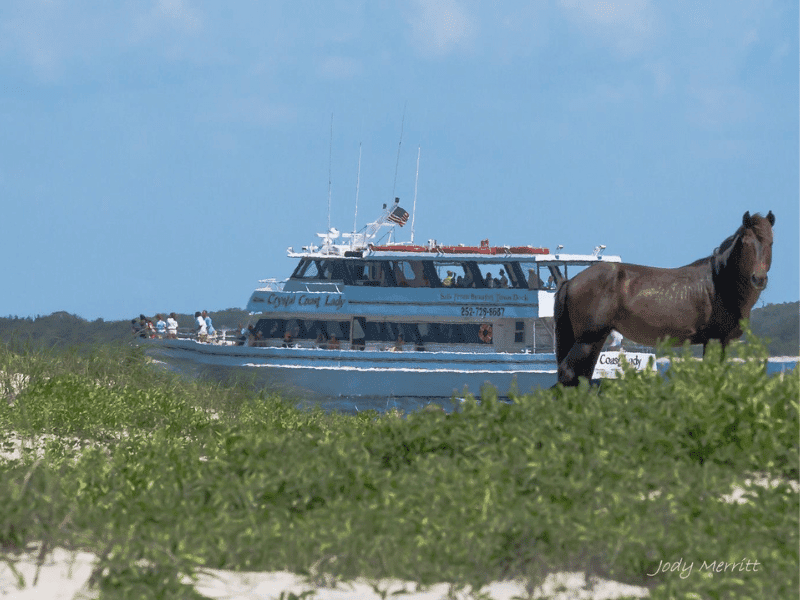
x=333, y=343
x=161, y=326
x=320, y=341
x=459, y=281
x=287, y=340
x=172, y=326
x=209, y=327
x=488, y=282
x=448, y=281
x=398, y=345
x=200, y=327
x=534, y=282
x=243, y=335
x=136, y=328
x=551, y=283
x=503, y=282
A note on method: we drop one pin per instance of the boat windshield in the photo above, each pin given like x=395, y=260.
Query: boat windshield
x=436, y=273
x=364, y=331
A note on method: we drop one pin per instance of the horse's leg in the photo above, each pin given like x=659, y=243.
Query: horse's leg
x=565, y=337
x=723, y=342
x=572, y=364
x=581, y=360
x=591, y=362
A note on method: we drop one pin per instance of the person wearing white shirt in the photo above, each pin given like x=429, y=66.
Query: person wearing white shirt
x=209, y=327
x=172, y=326
x=202, y=330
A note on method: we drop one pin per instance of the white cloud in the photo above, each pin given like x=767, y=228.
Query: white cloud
x=57, y=38
x=178, y=13
x=662, y=79
x=441, y=26
x=248, y=110
x=339, y=67
x=716, y=107
x=626, y=26
x=170, y=15
x=35, y=35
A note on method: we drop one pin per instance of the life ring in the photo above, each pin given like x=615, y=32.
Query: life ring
x=485, y=333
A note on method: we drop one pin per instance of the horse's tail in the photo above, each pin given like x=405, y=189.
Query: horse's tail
x=565, y=337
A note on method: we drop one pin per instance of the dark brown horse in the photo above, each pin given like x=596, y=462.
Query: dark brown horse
x=699, y=302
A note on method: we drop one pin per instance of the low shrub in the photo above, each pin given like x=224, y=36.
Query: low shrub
x=615, y=481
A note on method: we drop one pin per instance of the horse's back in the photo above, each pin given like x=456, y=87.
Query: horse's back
x=643, y=303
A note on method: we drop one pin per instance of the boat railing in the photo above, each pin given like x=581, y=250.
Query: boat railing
x=271, y=285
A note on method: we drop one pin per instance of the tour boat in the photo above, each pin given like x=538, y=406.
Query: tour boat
x=366, y=317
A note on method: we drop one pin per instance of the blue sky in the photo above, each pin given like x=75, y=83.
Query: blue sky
x=161, y=155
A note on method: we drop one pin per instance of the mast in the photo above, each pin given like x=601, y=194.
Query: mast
x=414, y=208
x=358, y=181
x=330, y=160
x=400, y=143
x=397, y=162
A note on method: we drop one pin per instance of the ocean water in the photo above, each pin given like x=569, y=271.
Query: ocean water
x=405, y=405
x=775, y=366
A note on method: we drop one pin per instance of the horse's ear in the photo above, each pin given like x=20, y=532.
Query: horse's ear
x=771, y=218
x=746, y=220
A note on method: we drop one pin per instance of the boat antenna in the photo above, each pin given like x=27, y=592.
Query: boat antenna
x=397, y=163
x=414, y=208
x=330, y=160
x=358, y=181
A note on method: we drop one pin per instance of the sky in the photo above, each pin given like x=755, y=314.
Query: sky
x=161, y=155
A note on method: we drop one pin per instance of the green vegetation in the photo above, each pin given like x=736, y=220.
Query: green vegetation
x=159, y=476
x=780, y=324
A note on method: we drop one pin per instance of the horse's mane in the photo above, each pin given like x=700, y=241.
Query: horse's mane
x=721, y=254
x=719, y=257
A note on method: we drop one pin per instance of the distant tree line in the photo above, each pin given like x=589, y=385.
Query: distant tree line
x=64, y=330
x=779, y=323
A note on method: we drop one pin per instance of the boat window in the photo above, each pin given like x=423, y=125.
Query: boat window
x=300, y=269
x=410, y=273
x=540, y=276
x=438, y=333
x=341, y=329
x=371, y=273
x=501, y=275
x=450, y=273
x=302, y=329
x=517, y=278
x=519, y=332
x=320, y=269
x=453, y=333
x=357, y=272
x=308, y=269
x=359, y=324
x=571, y=270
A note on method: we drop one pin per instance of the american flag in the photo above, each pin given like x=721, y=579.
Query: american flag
x=399, y=216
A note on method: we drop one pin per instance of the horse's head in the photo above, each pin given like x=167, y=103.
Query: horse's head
x=750, y=249
x=756, y=252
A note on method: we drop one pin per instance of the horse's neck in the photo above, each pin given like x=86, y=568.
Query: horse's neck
x=732, y=287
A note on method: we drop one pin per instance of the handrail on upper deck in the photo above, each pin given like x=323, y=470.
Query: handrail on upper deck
x=272, y=284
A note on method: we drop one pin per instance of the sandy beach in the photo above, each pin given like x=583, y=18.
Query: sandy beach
x=64, y=575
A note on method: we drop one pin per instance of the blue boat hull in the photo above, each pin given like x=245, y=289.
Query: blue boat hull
x=368, y=374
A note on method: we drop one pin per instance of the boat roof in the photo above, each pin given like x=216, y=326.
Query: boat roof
x=364, y=245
